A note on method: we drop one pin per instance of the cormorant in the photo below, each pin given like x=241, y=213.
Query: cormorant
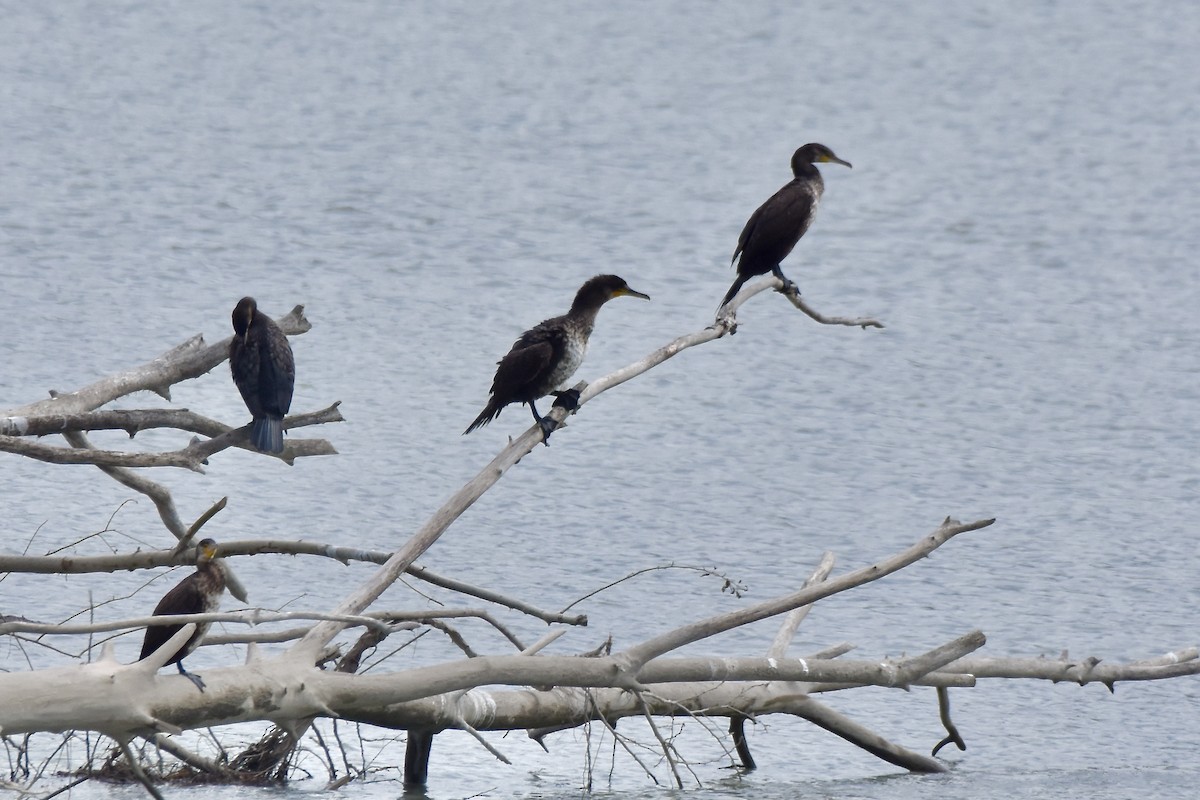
x=548, y=354
x=198, y=593
x=775, y=227
x=264, y=371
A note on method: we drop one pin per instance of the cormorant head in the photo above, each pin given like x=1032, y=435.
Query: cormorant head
x=813, y=153
x=602, y=288
x=243, y=315
x=206, y=550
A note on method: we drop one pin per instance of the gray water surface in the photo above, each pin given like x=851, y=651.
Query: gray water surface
x=430, y=179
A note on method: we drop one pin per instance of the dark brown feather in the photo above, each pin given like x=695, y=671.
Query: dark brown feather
x=197, y=593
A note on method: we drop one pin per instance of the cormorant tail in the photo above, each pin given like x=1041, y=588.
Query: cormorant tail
x=267, y=434
x=489, y=413
x=737, y=287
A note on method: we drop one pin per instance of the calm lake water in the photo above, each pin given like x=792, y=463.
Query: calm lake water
x=429, y=179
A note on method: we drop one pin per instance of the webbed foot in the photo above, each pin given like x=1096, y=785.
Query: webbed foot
x=788, y=288
x=547, y=425
x=568, y=399
x=196, y=680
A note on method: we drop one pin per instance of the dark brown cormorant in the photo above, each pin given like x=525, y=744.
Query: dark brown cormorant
x=773, y=230
x=264, y=371
x=548, y=354
x=198, y=593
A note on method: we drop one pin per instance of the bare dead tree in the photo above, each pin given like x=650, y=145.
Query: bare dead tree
x=538, y=691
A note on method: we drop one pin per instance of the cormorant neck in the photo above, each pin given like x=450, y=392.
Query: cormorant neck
x=584, y=315
x=805, y=170
x=588, y=301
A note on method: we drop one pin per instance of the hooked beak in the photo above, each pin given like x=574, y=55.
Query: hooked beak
x=632, y=293
x=836, y=160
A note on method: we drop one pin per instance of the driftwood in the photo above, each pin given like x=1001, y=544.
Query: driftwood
x=525, y=687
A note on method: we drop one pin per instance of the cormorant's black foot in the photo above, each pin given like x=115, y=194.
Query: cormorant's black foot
x=568, y=399
x=547, y=425
x=195, y=679
x=789, y=288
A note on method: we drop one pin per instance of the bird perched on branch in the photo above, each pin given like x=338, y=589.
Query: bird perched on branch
x=775, y=227
x=198, y=593
x=547, y=355
x=264, y=370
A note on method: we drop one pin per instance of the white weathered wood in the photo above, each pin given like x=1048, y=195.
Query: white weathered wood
x=1081, y=671
x=127, y=699
x=672, y=640
x=191, y=456
x=791, y=622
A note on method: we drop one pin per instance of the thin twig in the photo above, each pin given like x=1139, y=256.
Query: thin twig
x=666, y=748
x=139, y=773
x=730, y=584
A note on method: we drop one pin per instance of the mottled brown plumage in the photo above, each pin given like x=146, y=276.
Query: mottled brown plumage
x=264, y=371
x=198, y=593
x=547, y=355
x=777, y=225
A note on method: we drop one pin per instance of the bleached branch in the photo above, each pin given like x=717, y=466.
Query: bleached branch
x=792, y=621
x=145, y=559
x=190, y=457
x=727, y=315
x=1081, y=671
x=191, y=359
x=672, y=640
x=376, y=620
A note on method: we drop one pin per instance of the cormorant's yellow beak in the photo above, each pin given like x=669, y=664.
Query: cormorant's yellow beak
x=835, y=160
x=630, y=293
x=208, y=549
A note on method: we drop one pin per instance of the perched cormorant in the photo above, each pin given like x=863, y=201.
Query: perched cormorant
x=264, y=371
x=773, y=230
x=548, y=354
x=198, y=593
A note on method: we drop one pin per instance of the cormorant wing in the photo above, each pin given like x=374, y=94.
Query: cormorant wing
x=524, y=366
x=185, y=598
x=278, y=373
x=747, y=231
x=776, y=226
